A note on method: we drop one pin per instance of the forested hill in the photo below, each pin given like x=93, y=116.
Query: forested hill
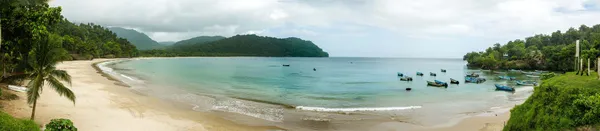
x=199, y=40
x=244, y=45
x=541, y=52
x=140, y=40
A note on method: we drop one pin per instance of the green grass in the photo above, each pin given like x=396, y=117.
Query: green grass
x=9, y=123
x=564, y=102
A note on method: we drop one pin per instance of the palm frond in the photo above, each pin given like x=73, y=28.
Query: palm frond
x=61, y=75
x=35, y=88
x=61, y=89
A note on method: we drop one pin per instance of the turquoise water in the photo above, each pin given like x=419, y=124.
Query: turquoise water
x=357, y=84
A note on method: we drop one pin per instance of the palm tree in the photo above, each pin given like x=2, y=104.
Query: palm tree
x=41, y=71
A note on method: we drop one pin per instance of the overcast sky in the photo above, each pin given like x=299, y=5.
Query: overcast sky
x=364, y=28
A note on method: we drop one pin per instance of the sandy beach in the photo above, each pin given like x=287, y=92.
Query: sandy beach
x=106, y=105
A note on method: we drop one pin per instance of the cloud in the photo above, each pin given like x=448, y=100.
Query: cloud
x=472, y=23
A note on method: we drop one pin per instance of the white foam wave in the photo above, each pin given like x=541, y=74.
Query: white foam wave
x=323, y=109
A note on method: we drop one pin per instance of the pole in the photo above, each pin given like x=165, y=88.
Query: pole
x=588, y=70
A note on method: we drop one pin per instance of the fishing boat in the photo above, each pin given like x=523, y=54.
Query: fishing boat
x=436, y=84
x=400, y=74
x=504, y=88
x=473, y=75
x=533, y=76
x=507, y=77
x=474, y=80
x=526, y=83
x=406, y=78
x=419, y=74
x=286, y=65
x=432, y=74
x=453, y=81
x=443, y=70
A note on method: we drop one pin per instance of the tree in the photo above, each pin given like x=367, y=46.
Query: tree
x=43, y=57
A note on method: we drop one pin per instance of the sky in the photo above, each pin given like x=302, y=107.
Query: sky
x=348, y=28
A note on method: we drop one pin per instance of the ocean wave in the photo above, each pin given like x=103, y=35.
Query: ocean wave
x=323, y=109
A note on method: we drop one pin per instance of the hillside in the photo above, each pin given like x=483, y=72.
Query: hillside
x=244, y=45
x=140, y=40
x=540, y=52
x=199, y=40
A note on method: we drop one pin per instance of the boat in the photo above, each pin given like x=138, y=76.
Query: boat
x=533, y=76
x=453, y=81
x=419, y=74
x=473, y=75
x=17, y=88
x=432, y=83
x=408, y=89
x=474, y=80
x=406, y=78
x=507, y=77
x=526, y=83
x=286, y=65
x=444, y=70
x=504, y=88
x=432, y=74
x=513, y=70
x=400, y=74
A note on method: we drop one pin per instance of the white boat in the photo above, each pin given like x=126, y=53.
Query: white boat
x=532, y=76
x=17, y=88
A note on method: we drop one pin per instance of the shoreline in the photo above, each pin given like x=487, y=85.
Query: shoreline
x=465, y=122
x=104, y=104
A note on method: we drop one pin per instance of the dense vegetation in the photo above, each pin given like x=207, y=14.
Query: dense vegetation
x=140, y=40
x=564, y=102
x=543, y=52
x=8, y=123
x=242, y=45
x=198, y=40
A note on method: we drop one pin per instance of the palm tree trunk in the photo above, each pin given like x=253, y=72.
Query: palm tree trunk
x=33, y=111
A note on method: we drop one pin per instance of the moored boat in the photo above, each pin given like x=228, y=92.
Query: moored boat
x=473, y=75
x=436, y=84
x=443, y=70
x=533, y=76
x=474, y=80
x=432, y=74
x=504, y=88
x=507, y=77
x=419, y=74
x=453, y=81
x=406, y=78
x=400, y=74
x=526, y=83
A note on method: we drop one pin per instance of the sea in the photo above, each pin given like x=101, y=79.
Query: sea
x=321, y=93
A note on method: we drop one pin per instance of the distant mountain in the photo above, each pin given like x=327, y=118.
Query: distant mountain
x=167, y=43
x=242, y=45
x=199, y=40
x=140, y=40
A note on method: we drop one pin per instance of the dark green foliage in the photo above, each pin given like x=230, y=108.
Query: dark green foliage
x=244, y=45
x=543, y=52
x=198, y=40
x=564, y=102
x=546, y=76
x=8, y=123
x=60, y=125
x=140, y=40
x=92, y=40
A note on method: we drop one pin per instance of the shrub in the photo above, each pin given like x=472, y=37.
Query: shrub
x=60, y=125
x=8, y=123
x=564, y=102
x=546, y=76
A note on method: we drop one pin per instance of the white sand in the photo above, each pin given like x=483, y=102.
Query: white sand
x=102, y=105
